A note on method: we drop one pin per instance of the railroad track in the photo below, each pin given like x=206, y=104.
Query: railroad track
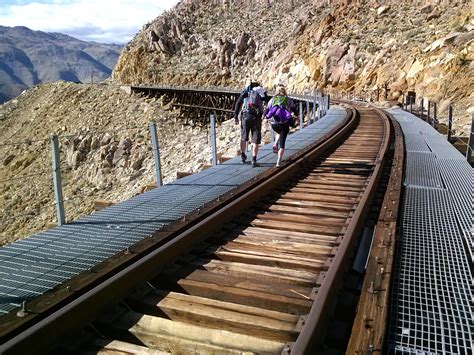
x=263, y=281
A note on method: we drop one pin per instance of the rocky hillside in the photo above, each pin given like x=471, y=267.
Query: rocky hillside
x=361, y=46
x=31, y=57
x=106, y=152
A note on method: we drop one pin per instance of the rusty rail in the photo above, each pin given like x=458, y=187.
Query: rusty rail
x=81, y=300
x=310, y=338
x=370, y=326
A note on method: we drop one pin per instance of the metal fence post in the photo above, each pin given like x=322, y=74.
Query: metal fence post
x=422, y=107
x=329, y=99
x=314, y=108
x=435, y=113
x=58, y=187
x=470, y=143
x=428, y=113
x=450, y=122
x=301, y=115
x=307, y=112
x=156, y=153
x=213, y=140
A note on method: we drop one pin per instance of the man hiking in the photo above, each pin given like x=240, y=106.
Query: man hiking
x=250, y=102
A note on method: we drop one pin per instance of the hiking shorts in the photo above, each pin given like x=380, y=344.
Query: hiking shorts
x=251, y=127
x=282, y=129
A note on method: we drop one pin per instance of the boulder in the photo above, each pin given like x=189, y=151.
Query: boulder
x=426, y=9
x=8, y=159
x=125, y=144
x=382, y=10
x=434, y=14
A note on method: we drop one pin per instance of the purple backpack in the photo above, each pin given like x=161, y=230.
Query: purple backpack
x=280, y=114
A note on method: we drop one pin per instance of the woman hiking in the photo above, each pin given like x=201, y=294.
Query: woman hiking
x=279, y=112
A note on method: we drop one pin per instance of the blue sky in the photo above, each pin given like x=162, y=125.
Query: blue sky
x=107, y=21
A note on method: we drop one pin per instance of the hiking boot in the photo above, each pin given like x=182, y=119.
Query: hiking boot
x=244, y=158
x=254, y=163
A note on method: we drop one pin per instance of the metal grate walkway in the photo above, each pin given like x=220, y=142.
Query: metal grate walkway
x=431, y=310
x=35, y=265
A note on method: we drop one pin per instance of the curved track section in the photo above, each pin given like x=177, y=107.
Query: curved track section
x=262, y=276
x=263, y=282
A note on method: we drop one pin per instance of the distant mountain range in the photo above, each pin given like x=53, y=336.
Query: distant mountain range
x=31, y=57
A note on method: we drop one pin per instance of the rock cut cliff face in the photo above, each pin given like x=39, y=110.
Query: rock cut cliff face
x=377, y=48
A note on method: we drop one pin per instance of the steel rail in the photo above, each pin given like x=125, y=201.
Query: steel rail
x=181, y=236
x=311, y=336
x=370, y=325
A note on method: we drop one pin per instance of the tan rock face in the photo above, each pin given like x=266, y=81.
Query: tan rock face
x=384, y=47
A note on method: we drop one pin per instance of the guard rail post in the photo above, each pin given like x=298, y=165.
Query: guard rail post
x=314, y=108
x=422, y=107
x=301, y=115
x=307, y=113
x=470, y=143
x=450, y=122
x=58, y=187
x=428, y=113
x=213, y=140
x=320, y=107
x=156, y=153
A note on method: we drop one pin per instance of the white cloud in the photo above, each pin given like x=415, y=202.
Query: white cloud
x=103, y=21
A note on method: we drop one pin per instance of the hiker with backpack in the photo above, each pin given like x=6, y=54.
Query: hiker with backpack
x=279, y=112
x=250, y=102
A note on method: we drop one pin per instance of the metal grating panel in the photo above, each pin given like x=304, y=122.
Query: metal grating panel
x=37, y=264
x=421, y=171
x=413, y=143
x=431, y=311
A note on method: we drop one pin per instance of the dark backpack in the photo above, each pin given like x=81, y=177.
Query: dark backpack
x=254, y=103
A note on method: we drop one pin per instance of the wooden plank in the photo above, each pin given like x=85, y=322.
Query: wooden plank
x=216, y=314
x=296, y=218
x=300, y=247
x=290, y=234
x=307, y=211
x=310, y=204
x=348, y=201
x=246, y=297
x=294, y=253
x=333, y=181
x=164, y=334
x=340, y=176
x=249, y=283
x=271, y=260
x=298, y=277
x=265, y=313
x=108, y=346
x=268, y=236
x=320, y=190
x=297, y=227
x=331, y=187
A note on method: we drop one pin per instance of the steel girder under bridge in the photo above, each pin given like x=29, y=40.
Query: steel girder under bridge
x=195, y=104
